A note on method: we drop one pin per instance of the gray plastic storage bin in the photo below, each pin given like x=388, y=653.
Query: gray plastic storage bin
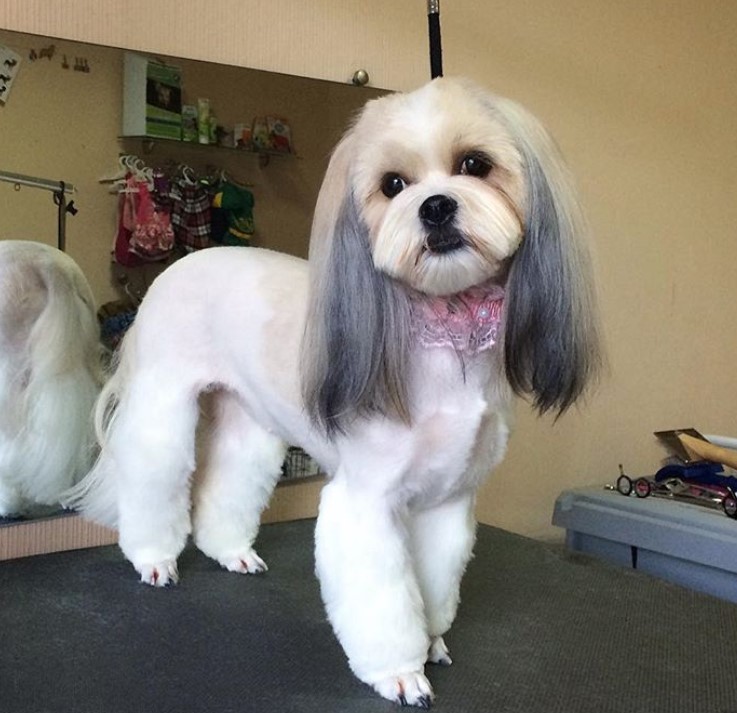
x=683, y=543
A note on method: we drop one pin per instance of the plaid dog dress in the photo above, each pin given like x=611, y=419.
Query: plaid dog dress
x=190, y=215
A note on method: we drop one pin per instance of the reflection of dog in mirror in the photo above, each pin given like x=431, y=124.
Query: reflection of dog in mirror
x=446, y=273
x=50, y=374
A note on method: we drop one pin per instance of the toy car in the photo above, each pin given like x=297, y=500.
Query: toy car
x=697, y=476
x=709, y=490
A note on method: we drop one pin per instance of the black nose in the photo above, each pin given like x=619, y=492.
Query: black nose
x=437, y=210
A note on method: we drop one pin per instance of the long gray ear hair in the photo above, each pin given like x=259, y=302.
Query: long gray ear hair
x=355, y=348
x=551, y=335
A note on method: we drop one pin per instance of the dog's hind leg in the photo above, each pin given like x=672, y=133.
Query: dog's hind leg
x=12, y=501
x=441, y=541
x=153, y=445
x=239, y=465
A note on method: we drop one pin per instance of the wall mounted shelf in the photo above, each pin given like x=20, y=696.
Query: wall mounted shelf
x=148, y=143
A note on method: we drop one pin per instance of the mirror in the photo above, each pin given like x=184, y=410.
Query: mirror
x=61, y=121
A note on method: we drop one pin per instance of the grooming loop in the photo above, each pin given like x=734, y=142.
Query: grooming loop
x=436, y=50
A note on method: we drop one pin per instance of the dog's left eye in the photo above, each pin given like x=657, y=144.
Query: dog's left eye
x=475, y=164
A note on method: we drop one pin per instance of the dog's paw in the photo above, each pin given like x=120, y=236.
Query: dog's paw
x=438, y=652
x=407, y=689
x=248, y=562
x=160, y=574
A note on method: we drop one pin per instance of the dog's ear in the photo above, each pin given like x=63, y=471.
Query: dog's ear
x=355, y=346
x=329, y=201
x=551, y=339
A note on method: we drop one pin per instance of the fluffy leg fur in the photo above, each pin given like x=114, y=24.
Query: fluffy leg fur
x=370, y=592
x=154, y=454
x=12, y=501
x=238, y=468
x=442, y=539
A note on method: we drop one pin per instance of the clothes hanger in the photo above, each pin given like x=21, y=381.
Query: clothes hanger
x=188, y=175
x=120, y=173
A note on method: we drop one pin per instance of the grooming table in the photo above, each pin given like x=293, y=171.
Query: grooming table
x=539, y=631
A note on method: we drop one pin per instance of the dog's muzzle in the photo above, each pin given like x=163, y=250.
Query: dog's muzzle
x=437, y=214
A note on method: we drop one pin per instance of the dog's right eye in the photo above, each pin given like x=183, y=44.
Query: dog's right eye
x=392, y=184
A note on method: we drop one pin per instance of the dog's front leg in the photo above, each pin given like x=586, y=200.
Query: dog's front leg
x=442, y=539
x=370, y=592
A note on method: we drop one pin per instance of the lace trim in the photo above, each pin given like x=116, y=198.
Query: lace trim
x=469, y=321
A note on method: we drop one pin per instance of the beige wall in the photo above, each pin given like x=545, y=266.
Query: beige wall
x=641, y=99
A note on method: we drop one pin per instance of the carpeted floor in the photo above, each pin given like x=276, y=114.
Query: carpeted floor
x=539, y=631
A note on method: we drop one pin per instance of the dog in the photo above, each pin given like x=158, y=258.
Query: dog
x=51, y=372
x=446, y=273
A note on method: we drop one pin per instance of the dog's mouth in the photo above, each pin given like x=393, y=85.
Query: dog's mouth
x=444, y=240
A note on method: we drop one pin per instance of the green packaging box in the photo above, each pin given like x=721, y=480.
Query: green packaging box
x=152, y=98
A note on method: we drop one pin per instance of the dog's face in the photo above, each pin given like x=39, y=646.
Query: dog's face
x=439, y=184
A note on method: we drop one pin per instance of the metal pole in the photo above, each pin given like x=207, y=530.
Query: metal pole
x=436, y=51
x=44, y=183
x=61, y=201
x=61, y=220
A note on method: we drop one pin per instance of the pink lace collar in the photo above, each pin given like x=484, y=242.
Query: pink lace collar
x=469, y=321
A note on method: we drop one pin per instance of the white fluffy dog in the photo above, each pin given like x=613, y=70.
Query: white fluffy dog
x=50, y=374
x=445, y=274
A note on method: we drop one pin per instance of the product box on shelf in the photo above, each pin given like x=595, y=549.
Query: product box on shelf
x=152, y=98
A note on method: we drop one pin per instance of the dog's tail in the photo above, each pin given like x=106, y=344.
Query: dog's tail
x=95, y=495
x=61, y=378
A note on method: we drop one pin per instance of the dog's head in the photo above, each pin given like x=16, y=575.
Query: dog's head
x=433, y=192
x=440, y=186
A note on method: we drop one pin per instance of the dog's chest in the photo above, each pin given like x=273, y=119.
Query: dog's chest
x=458, y=433
x=450, y=445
